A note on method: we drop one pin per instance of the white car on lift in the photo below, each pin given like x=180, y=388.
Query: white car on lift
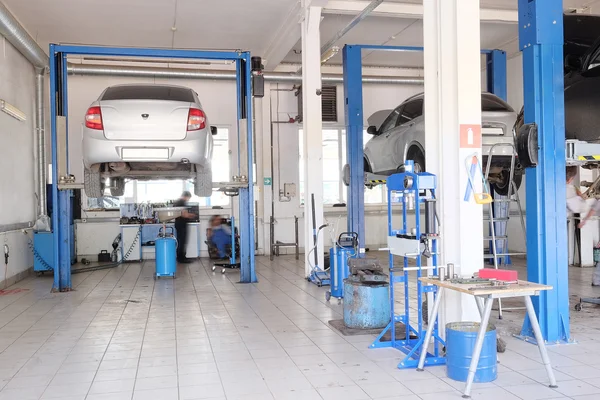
x=145, y=132
x=399, y=135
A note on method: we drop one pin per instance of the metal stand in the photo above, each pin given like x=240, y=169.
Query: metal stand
x=412, y=244
x=276, y=244
x=484, y=303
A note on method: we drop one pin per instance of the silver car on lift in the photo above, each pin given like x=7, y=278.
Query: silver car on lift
x=399, y=135
x=146, y=132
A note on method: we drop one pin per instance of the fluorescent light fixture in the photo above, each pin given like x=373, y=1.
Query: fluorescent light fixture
x=329, y=54
x=12, y=111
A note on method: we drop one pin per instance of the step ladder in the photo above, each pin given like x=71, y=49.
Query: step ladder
x=498, y=217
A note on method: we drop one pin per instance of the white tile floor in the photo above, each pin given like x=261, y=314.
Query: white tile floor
x=121, y=335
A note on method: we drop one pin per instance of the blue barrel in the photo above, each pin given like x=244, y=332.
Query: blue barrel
x=460, y=342
x=338, y=269
x=366, y=305
x=166, y=256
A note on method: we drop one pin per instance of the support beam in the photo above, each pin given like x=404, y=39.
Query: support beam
x=497, y=73
x=313, y=130
x=353, y=95
x=285, y=39
x=541, y=41
x=410, y=10
x=452, y=107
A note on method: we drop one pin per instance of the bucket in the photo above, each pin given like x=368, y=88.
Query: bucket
x=460, y=342
x=366, y=305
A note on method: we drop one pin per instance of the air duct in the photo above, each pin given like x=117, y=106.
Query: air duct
x=17, y=36
x=12, y=30
x=281, y=77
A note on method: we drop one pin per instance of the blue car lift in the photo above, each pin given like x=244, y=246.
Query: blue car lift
x=353, y=96
x=411, y=246
x=541, y=39
x=62, y=191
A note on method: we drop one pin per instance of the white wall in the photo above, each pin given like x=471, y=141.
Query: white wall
x=17, y=183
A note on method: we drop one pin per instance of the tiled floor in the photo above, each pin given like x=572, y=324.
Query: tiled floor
x=121, y=335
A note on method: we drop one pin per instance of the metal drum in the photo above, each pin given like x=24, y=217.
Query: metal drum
x=460, y=342
x=366, y=304
x=166, y=256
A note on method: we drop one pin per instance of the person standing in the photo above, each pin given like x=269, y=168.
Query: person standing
x=578, y=204
x=181, y=226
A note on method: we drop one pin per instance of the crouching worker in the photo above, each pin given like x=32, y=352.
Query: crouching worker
x=578, y=204
x=219, y=236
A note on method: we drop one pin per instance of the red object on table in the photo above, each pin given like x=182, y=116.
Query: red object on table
x=499, y=274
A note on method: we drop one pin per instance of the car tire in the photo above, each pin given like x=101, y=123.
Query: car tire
x=416, y=155
x=203, y=184
x=92, y=184
x=117, y=187
x=503, y=188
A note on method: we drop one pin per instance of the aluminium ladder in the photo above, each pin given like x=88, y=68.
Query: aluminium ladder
x=499, y=215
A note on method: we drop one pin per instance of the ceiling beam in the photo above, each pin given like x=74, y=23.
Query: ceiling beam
x=409, y=10
x=288, y=34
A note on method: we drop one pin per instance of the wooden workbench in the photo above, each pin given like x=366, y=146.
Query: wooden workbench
x=484, y=296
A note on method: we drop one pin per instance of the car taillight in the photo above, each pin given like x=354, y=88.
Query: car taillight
x=196, y=119
x=93, y=118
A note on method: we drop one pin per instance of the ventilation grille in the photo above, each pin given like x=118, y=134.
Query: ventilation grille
x=328, y=104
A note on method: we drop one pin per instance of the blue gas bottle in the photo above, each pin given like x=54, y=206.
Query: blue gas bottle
x=166, y=254
x=345, y=248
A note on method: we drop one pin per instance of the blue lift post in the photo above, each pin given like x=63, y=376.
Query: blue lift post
x=353, y=103
x=496, y=74
x=541, y=41
x=58, y=107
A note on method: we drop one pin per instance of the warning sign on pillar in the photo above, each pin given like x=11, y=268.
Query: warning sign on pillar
x=470, y=136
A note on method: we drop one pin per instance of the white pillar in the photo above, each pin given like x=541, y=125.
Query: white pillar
x=313, y=128
x=452, y=106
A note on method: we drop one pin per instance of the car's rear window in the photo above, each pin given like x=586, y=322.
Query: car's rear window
x=492, y=103
x=148, y=93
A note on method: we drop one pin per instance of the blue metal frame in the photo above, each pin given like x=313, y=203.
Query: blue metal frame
x=496, y=74
x=411, y=346
x=61, y=216
x=353, y=94
x=541, y=41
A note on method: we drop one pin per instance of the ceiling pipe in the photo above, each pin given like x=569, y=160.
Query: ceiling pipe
x=14, y=32
x=281, y=77
x=17, y=36
x=363, y=14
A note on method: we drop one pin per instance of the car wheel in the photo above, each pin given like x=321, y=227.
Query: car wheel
x=117, y=187
x=203, y=184
x=92, y=183
x=503, y=187
x=416, y=155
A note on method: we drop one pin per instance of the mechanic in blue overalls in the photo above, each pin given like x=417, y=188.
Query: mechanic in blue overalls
x=219, y=234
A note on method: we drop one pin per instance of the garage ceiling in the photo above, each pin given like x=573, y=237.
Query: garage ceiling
x=235, y=24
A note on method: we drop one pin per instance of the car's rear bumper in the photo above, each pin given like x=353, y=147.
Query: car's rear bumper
x=195, y=149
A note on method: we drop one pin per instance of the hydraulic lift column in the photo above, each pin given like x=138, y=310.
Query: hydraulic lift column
x=541, y=41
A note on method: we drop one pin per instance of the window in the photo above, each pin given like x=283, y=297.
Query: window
x=410, y=111
x=160, y=191
x=390, y=121
x=332, y=166
x=149, y=92
x=334, y=159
